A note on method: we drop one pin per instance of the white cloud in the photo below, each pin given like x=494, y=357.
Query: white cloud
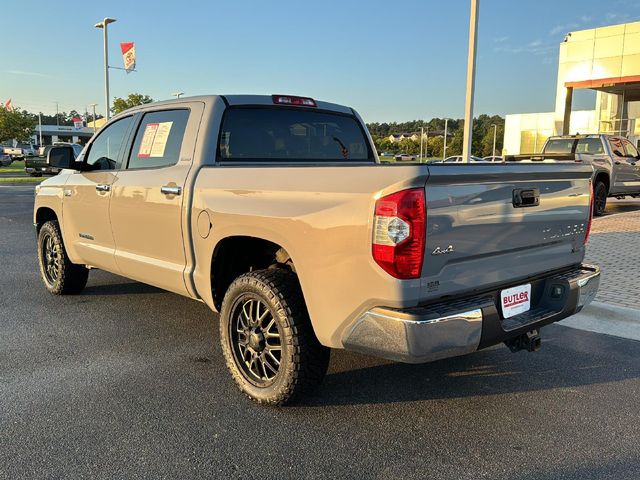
x=500, y=39
x=619, y=17
x=28, y=74
x=537, y=47
x=565, y=28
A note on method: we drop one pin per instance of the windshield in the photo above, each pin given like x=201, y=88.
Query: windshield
x=263, y=134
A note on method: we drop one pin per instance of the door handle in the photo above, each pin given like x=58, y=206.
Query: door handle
x=617, y=162
x=102, y=187
x=171, y=190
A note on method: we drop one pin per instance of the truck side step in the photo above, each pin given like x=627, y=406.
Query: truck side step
x=530, y=341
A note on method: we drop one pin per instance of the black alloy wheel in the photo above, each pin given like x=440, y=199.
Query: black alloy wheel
x=600, y=199
x=256, y=339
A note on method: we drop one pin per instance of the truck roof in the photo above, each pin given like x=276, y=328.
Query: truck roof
x=586, y=135
x=242, y=99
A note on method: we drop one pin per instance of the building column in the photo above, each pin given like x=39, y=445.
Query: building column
x=568, y=100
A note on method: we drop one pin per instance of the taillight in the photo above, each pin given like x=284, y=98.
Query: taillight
x=399, y=233
x=293, y=100
x=591, y=195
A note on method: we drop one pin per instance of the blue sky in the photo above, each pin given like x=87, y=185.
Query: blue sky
x=392, y=61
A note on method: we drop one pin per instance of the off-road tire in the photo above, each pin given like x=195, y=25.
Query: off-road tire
x=303, y=361
x=599, y=199
x=70, y=278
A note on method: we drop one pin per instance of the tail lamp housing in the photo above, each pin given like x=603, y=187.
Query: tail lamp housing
x=399, y=231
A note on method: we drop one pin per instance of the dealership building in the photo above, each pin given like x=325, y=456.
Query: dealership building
x=61, y=133
x=605, y=60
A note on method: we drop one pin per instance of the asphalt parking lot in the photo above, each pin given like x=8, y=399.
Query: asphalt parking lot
x=126, y=380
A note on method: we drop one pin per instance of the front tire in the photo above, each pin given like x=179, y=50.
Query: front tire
x=267, y=339
x=599, y=199
x=59, y=274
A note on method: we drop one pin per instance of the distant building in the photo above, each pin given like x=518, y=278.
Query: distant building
x=415, y=136
x=62, y=133
x=606, y=60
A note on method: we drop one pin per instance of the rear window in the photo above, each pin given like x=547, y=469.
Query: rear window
x=559, y=145
x=272, y=135
x=590, y=146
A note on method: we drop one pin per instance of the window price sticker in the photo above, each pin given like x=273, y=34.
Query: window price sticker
x=154, y=140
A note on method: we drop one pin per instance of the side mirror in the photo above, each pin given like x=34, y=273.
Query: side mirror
x=618, y=153
x=61, y=157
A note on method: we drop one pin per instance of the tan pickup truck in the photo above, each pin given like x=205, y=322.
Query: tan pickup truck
x=276, y=212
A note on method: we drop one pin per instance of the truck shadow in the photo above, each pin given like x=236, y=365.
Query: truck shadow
x=124, y=288
x=621, y=206
x=568, y=358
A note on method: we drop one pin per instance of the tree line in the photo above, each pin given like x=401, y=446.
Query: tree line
x=481, y=144
x=19, y=125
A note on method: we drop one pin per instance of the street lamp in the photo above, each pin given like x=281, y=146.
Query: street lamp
x=444, y=150
x=93, y=106
x=495, y=131
x=471, y=80
x=177, y=94
x=103, y=25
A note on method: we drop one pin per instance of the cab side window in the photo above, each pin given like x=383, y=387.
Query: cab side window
x=590, y=146
x=617, y=147
x=159, y=139
x=104, y=152
x=630, y=150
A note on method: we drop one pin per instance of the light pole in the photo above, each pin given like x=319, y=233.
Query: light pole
x=103, y=25
x=444, y=150
x=426, y=144
x=421, y=139
x=93, y=106
x=177, y=94
x=40, y=126
x=471, y=80
x=495, y=131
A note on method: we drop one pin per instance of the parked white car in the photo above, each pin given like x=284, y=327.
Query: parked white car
x=459, y=159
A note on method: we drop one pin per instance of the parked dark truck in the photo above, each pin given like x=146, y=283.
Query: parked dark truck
x=276, y=212
x=36, y=165
x=615, y=161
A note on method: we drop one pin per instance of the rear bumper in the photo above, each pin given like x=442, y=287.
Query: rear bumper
x=464, y=325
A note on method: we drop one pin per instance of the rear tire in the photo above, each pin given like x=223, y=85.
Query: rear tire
x=599, y=198
x=267, y=339
x=59, y=274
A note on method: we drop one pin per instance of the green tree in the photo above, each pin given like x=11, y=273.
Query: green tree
x=411, y=147
x=436, y=144
x=133, y=100
x=15, y=124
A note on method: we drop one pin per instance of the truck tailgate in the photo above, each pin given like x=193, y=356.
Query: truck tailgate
x=482, y=230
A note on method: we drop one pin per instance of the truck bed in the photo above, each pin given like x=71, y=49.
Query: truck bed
x=323, y=217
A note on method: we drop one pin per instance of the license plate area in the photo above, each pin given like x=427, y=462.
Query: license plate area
x=515, y=300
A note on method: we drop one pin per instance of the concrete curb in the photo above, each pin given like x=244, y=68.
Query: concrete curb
x=605, y=318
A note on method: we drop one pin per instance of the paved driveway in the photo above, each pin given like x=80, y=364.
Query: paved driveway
x=127, y=381
x=615, y=246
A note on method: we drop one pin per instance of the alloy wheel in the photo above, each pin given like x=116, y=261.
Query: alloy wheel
x=50, y=259
x=256, y=340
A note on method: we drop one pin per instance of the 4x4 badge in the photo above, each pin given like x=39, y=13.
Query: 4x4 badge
x=440, y=251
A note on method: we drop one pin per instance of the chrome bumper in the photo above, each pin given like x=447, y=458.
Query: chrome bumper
x=461, y=326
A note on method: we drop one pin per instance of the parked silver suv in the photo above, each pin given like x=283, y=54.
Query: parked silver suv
x=615, y=161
